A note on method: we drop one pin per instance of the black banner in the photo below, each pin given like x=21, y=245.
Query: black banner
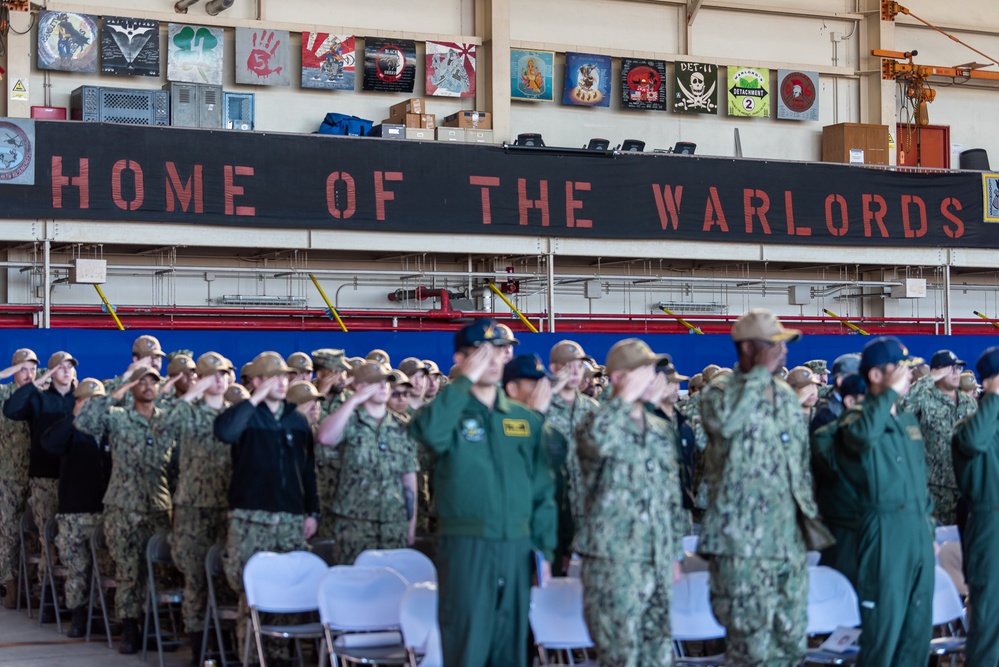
x=98, y=171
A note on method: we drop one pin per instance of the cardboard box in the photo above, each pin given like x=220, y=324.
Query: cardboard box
x=414, y=105
x=451, y=134
x=389, y=131
x=475, y=120
x=429, y=121
x=421, y=120
x=420, y=133
x=478, y=136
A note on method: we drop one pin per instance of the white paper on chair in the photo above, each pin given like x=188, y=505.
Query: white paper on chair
x=842, y=640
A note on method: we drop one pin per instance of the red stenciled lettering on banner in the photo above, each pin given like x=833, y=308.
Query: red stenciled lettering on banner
x=870, y=215
x=541, y=203
x=331, y=204
x=760, y=212
x=844, y=226
x=571, y=204
x=668, y=205
x=232, y=191
x=713, y=213
x=192, y=188
x=485, y=182
x=792, y=229
x=381, y=194
x=140, y=188
x=907, y=201
x=60, y=181
x=947, y=206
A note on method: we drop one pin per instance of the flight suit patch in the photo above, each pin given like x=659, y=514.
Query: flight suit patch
x=518, y=428
x=472, y=431
x=914, y=433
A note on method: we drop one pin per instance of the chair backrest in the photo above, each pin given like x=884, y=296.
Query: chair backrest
x=158, y=548
x=556, y=615
x=414, y=566
x=28, y=526
x=690, y=543
x=690, y=614
x=283, y=583
x=951, y=558
x=832, y=602
x=947, y=605
x=97, y=538
x=51, y=530
x=213, y=561
x=813, y=558
x=356, y=599
x=947, y=534
x=418, y=620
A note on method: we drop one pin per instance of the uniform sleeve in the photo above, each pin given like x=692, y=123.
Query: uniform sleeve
x=434, y=423
x=23, y=403
x=725, y=413
x=822, y=443
x=231, y=423
x=544, y=518
x=56, y=438
x=171, y=424
x=973, y=435
x=679, y=521
x=95, y=417
x=859, y=429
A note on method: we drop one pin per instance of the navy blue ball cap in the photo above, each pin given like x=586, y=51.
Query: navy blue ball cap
x=525, y=366
x=853, y=385
x=479, y=333
x=945, y=358
x=846, y=364
x=988, y=364
x=882, y=350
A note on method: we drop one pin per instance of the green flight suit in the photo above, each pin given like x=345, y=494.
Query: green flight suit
x=976, y=462
x=883, y=457
x=494, y=493
x=838, y=502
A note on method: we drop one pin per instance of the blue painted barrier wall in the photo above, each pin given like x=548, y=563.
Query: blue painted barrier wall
x=103, y=354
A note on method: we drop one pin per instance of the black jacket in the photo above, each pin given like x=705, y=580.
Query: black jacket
x=273, y=464
x=41, y=409
x=86, y=467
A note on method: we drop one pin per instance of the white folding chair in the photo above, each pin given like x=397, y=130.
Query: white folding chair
x=951, y=558
x=948, y=617
x=557, y=621
x=947, y=534
x=690, y=543
x=575, y=569
x=359, y=610
x=813, y=558
x=832, y=603
x=414, y=566
x=418, y=619
x=281, y=584
x=691, y=619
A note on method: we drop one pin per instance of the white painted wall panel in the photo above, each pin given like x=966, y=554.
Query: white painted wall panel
x=595, y=23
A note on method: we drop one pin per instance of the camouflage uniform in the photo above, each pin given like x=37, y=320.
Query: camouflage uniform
x=73, y=543
x=938, y=414
x=137, y=502
x=566, y=418
x=758, y=481
x=630, y=535
x=15, y=443
x=369, y=507
x=200, y=504
x=328, y=468
x=691, y=410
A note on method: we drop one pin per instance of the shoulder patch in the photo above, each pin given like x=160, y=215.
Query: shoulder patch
x=518, y=428
x=914, y=433
x=472, y=431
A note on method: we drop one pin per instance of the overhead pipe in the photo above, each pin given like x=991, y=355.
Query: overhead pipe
x=181, y=6
x=421, y=293
x=216, y=7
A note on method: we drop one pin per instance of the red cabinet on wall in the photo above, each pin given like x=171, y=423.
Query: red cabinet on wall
x=926, y=146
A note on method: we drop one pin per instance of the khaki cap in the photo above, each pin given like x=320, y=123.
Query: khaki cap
x=398, y=378
x=300, y=362
x=180, y=364
x=565, y=351
x=369, y=372
x=761, y=324
x=629, y=354
x=412, y=365
x=246, y=371
x=143, y=371
x=355, y=361
x=800, y=377
x=431, y=367
x=268, y=364
x=236, y=393
x=709, y=372
x=696, y=381
x=506, y=333
x=327, y=357
x=211, y=363
x=60, y=357
x=22, y=355
x=379, y=357
x=147, y=346
x=968, y=381
x=89, y=387
x=454, y=373
x=303, y=392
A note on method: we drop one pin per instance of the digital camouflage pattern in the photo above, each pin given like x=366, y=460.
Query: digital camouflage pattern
x=204, y=463
x=566, y=418
x=352, y=536
x=43, y=501
x=127, y=533
x=690, y=408
x=73, y=545
x=328, y=468
x=938, y=414
x=195, y=531
x=15, y=444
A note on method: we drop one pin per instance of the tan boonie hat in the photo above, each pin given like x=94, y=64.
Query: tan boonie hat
x=431, y=367
x=269, y=364
x=300, y=362
x=696, y=381
x=369, y=372
x=968, y=381
x=180, y=364
x=629, y=354
x=60, y=357
x=147, y=346
x=22, y=355
x=89, y=387
x=761, y=324
x=412, y=365
x=303, y=392
x=800, y=377
x=142, y=371
x=397, y=378
x=236, y=393
x=331, y=359
x=565, y=351
x=379, y=357
x=211, y=363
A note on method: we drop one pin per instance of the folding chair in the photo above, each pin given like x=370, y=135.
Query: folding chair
x=948, y=617
x=832, y=603
x=282, y=584
x=323, y=548
x=215, y=614
x=690, y=543
x=951, y=558
x=50, y=572
x=813, y=558
x=359, y=610
x=556, y=619
x=414, y=566
x=99, y=582
x=27, y=528
x=158, y=553
x=420, y=632
x=947, y=534
x=691, y=620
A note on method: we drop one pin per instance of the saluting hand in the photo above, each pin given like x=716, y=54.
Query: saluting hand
x=656, y=390
x=197, y=389
x=633, y=384
x=475, y=365
x=364, y=393
x=900, y=380
x=43, y=378
x=561, y=379
x=8, y=372
x=541, y=398
x=262, y=391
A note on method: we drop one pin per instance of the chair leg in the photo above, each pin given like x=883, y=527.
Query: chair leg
x=255, y=618
x=52, y=587
x=204, y=633
x=218, y=631
x=90, y=605
x=145, y=627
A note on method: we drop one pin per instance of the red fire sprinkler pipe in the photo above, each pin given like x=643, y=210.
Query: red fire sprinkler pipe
x=421, y=293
